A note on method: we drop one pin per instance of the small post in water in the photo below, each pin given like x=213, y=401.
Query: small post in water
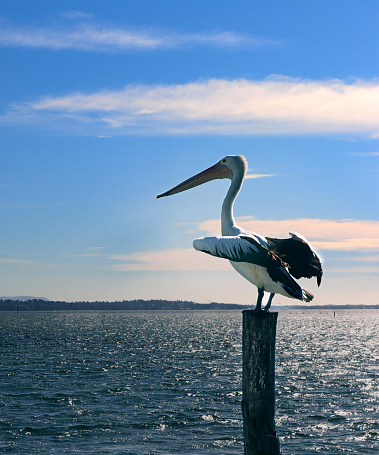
x=258, y=383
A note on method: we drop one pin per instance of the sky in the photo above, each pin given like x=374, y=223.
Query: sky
x=104, y=105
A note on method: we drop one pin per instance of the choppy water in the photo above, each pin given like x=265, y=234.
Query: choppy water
x=169, y=383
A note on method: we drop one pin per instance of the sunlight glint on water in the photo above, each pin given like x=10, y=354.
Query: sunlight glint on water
x=170, y=382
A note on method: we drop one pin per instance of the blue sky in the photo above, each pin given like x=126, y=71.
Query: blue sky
x=104, y=105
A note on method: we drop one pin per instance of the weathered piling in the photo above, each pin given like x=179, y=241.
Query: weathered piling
x=258, y=383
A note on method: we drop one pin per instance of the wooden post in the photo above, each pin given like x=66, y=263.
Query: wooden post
x=258, y=383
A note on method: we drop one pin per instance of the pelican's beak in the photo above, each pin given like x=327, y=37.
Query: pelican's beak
x=218, y=171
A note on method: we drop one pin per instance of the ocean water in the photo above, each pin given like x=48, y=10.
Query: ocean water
x=170, y=382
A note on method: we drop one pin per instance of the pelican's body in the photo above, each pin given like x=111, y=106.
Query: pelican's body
x=268, y=263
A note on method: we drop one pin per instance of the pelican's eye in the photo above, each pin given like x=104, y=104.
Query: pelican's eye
x=224, y=160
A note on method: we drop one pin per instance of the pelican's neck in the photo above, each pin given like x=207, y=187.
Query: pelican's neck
x=228, y=224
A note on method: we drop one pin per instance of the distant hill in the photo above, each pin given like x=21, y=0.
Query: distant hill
x=43, y=304
x=24, y=298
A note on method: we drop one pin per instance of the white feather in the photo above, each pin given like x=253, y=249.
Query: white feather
x=229, y=246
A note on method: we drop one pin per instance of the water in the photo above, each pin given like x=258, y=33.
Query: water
x=170, y=383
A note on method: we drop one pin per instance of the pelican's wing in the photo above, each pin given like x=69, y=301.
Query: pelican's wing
x=241, y=248
x=246, y=248
x=298, y=254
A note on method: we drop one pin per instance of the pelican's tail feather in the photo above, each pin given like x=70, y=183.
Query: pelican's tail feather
x=307, y=296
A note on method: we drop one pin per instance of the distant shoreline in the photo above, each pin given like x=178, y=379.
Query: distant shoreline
x=151, y=305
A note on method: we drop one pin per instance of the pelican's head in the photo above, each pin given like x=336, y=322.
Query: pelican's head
x=227, y=168
x=236, y=163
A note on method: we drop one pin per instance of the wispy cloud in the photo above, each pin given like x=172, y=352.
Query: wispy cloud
x=10, y=261
x=95, y=251
x=173, y=260
x=365, y=154
x=74, y=14
x=276, y=105
x=90, y=37
x=373, y=258
x=258, y=176
x=362, y=270
x=326, y=235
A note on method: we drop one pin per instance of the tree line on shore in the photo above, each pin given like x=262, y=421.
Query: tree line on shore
x=49, y=305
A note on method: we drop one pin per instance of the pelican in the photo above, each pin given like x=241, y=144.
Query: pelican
x=269, y=263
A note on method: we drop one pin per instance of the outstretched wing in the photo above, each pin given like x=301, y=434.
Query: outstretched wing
x=298, y=254
x=241, y=248
x=245, y=248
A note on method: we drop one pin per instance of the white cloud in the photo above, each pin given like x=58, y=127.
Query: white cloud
x=276, y=105
x=258, y=176
x=97, y=38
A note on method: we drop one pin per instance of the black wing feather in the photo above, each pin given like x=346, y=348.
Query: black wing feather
x=301, y=260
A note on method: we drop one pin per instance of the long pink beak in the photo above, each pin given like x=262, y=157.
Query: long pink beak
x=218, y=171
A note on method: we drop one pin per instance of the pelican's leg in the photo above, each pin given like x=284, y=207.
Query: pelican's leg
x=258, y=306
x=267, y=307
